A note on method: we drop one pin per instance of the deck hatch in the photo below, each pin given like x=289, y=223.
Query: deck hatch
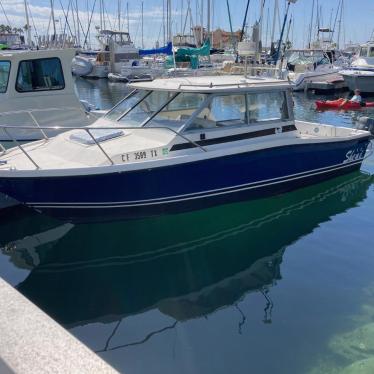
x=99, y=135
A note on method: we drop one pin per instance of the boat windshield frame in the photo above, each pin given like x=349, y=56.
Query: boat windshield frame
x=159, y=109
x=205, y=103
x=306, y=57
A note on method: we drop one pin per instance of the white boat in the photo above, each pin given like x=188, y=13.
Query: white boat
x=139, y=72
x=116, y=51
x=36, y=89
x=361, y=74
x=307, y=65
x=180, y=144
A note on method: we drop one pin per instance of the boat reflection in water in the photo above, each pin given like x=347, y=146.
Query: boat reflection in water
x=185, y=266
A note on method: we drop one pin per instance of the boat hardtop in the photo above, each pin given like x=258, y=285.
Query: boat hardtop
x=211, y=84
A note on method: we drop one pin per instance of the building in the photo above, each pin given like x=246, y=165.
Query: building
x=219, y=38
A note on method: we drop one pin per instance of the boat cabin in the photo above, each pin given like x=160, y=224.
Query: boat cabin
x=299, y=61
x=118, y=37
x=39, y=81
x=205, y=105
x=12, y=41
x=366, y=55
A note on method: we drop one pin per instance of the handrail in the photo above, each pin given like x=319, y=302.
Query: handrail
x=41, y=110
x=238, y=84
x=88, y=130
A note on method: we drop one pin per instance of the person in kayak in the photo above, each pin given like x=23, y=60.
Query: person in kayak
x=355, y=99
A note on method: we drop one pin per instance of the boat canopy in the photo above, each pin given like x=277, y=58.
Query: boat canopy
x=204, y=50
x=306, y=57
x=167, y=50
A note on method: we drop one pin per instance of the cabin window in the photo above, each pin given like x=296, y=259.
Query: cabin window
x=126, y=104
x=4, y=75
x=267, y=106
x=166, y=108
x=40, y=75
x=179, y=110
x=225, y=110
x=364, y=51
x=144, y=108
x=371, y=53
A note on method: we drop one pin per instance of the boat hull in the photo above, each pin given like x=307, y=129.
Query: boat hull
x=187, y=186
x=362, y=82
x=301, y=82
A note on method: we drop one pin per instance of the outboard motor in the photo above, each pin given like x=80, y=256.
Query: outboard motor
x=365, y=123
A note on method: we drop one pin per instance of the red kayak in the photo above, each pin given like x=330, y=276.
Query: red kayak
x=337, y=104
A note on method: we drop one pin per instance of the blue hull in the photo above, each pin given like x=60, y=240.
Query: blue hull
x=187, y=186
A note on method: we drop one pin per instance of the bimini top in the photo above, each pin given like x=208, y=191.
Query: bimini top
x=212, y=84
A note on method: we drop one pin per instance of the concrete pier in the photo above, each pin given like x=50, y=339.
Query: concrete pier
x=33, y=343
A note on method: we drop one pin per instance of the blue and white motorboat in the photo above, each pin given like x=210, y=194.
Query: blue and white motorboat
x=180, y=144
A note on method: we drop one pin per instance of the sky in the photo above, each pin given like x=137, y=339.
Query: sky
x=357, y=25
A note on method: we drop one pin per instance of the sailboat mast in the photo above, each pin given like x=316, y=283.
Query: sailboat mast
x=101, y=14
x=53, y=20
x=142, y=24
x=181, y=31
x=261, y=17
x=128, y=17
x=311, y=26
x=28, y=25
x=212, y=41
x=231, y=30
x=208, y=18
x=202, y=21
x=78, y=29
x=274, y=21
x=119, y=15
x=267, y=28
x=244, y=21
x=163, y=22
x=340, y=23
x=170, y=37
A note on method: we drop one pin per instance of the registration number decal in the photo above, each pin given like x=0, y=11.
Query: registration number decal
x=145, y=155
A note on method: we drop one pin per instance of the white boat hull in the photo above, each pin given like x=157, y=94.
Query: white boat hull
x=362, y=80
x=301, y=83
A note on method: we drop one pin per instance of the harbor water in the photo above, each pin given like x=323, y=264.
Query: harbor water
x=278, y=285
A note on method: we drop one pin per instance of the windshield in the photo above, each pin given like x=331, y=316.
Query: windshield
x=160, y=108
x=4, y=75
x=305, y=58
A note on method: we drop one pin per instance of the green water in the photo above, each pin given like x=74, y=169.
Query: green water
x=277, y=285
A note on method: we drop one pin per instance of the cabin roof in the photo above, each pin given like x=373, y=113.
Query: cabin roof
x=212, y=84
x=29, y=54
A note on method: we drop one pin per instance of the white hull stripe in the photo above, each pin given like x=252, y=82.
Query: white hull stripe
x=181, y=198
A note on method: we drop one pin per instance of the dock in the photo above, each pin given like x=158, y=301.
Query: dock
x=333, y=84
x=31, y=342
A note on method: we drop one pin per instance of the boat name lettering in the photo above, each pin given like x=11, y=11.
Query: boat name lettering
x=354, y=155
